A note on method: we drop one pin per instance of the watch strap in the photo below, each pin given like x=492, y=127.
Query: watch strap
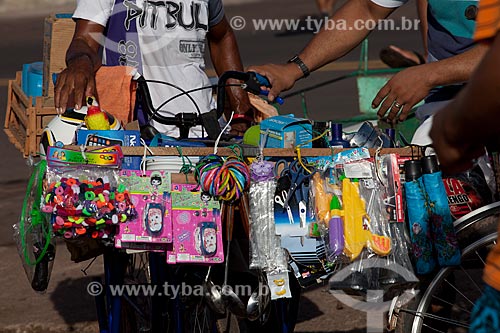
x=303, y=67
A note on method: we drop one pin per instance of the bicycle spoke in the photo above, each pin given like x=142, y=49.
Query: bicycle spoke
x=196, y=321
x=480, y=258
x=432, y=328
x=459, y=292
x=435, y=317
x=449, y=303
x=206, y=320
x=470, y=278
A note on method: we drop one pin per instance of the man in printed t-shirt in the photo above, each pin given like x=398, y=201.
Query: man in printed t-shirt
x=459, y=133
x=165, y=41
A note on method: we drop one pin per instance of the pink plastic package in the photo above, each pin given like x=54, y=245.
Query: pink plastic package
x=197, y=227
x=150, y=194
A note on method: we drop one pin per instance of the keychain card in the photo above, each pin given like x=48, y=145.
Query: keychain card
x=197, y=227
x=150, y=194
x=394, y=200
x=295, y=218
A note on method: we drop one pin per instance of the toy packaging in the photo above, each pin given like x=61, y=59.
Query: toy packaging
x=109, y=157
x=287, y=132
x=86, y=202
x=108, y=138
x=197, y=227
x=394, y=198
x=150, y=194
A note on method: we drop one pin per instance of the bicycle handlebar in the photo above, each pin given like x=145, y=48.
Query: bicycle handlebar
x=184, y=121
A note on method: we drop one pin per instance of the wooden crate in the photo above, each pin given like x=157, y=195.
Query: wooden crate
x=58, y=32
x=24, y=122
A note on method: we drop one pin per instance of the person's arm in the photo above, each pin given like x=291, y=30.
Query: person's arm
x=413, y=84
x=470, y=121
x=82, y=61
x=327, y=45
x=424, y=28
x=225, y=56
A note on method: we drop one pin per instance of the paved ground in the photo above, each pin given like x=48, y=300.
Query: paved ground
x=66, y=307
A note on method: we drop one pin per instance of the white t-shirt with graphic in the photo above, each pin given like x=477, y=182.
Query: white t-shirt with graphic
x=165, y=41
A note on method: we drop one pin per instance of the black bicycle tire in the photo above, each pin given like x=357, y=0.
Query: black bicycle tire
x=131, y=321
x=469, y=232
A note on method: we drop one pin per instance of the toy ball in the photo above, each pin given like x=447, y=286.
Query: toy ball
x=252, y=136
x=62, y=128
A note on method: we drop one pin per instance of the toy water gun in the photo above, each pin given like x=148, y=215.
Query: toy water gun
x=357, y=232
x=321, y=199
x=336, y=227
x=95, y=119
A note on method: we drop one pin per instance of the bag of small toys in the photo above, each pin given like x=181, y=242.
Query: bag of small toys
x=85, y=200
x=358, y=215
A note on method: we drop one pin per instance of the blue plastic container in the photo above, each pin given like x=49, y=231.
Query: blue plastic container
x=337, y=140
x=32, y=79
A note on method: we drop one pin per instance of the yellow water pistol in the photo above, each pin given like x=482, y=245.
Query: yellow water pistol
x=357, y=232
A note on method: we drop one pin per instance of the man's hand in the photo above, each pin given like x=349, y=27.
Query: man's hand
x=77, y=80
x=240, y=104
x=403, y=91
x=281, y=77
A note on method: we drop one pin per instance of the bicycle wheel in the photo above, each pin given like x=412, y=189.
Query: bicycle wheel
x=445, y=302
x=136, y=313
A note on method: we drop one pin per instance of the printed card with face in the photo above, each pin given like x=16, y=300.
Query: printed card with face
x=197, y=230
x=150, y=193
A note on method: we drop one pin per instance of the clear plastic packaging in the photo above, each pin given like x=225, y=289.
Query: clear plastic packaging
x=86, y=202
x=265, y=246
x=383, y=263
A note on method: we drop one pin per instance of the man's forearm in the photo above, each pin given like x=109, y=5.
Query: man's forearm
x=85, y=44
x=455, y=69
x=329, y=45
x=79, y=53
x=424, y=28
x=225, y=56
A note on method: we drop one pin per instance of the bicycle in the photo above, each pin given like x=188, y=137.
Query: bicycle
x=434, y=312
x=148, y=313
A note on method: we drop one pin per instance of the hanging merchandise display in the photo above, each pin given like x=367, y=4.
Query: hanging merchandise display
x=418, y=218
x=440, y=218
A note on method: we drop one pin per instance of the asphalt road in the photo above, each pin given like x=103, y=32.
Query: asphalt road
x=66, y=307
